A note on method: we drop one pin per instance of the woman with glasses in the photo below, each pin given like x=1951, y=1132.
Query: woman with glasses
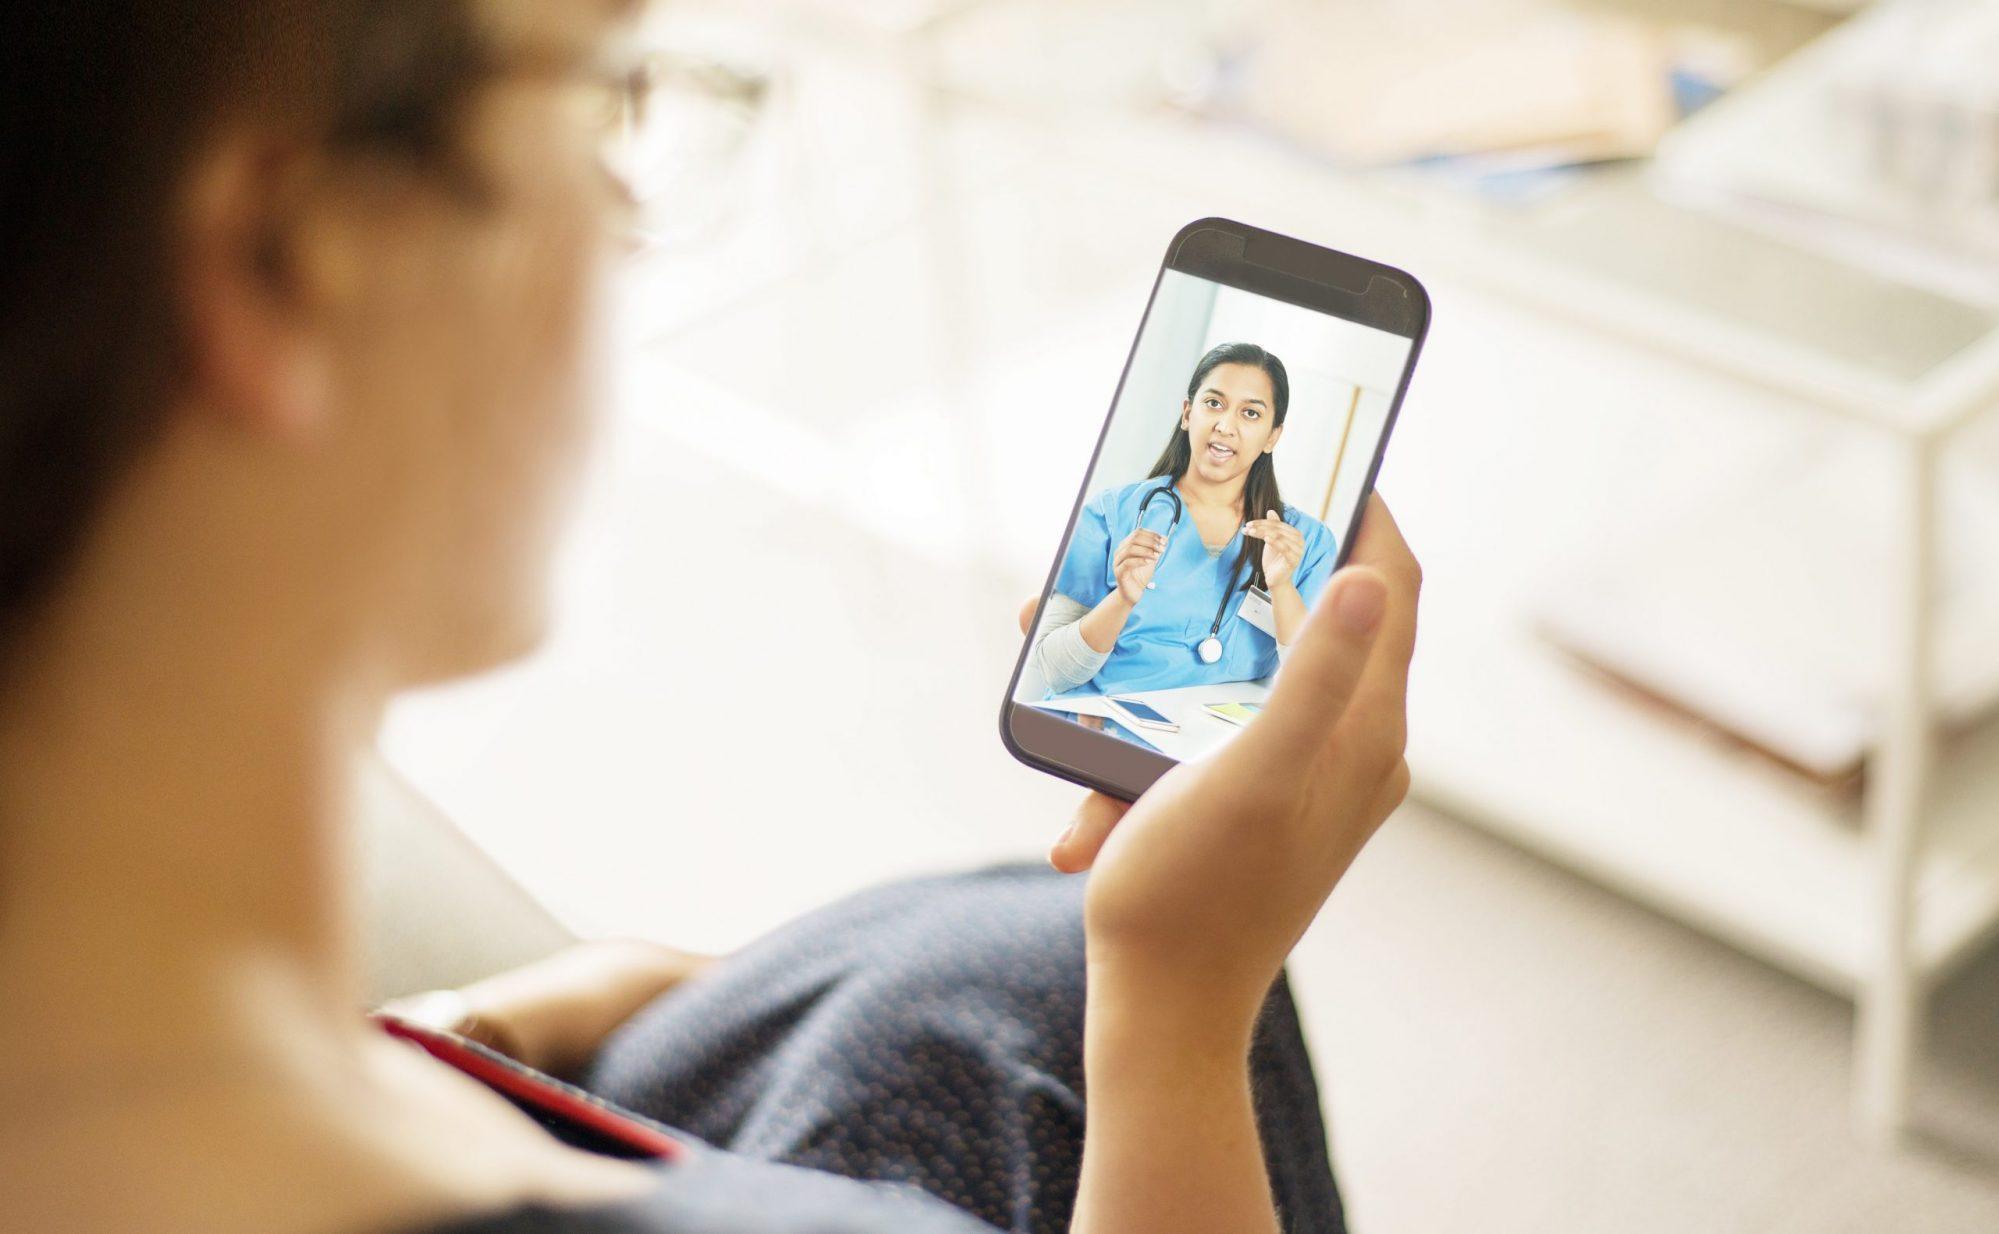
x=294, y=332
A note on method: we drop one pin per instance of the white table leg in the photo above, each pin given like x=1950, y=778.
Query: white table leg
x=1889, y=1024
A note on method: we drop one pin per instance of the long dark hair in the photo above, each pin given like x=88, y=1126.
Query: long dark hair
x=1259, y=489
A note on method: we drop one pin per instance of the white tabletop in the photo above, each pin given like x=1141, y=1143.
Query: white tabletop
x=1186, y=706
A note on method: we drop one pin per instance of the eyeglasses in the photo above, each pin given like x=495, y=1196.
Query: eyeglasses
x=671, y=119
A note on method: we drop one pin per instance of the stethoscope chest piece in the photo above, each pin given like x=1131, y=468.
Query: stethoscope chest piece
x=1209, y=649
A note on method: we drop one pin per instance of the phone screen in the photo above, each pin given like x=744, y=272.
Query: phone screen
x=1238, y=453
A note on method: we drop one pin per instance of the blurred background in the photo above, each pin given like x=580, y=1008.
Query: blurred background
x=1686, y=923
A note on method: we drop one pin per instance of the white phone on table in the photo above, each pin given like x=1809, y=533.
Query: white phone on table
x=1140, y=714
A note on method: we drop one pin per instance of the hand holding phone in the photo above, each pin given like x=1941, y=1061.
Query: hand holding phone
x=1248, y=426
x=1198, y=892
x=1207, y=882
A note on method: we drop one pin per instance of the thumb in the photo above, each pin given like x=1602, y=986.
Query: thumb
x=1077, y=848
x=1318, y=678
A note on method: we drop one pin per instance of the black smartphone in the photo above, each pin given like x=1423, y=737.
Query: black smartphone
x=1226, y=487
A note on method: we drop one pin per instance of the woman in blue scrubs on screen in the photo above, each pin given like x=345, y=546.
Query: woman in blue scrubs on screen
x=1140, y=591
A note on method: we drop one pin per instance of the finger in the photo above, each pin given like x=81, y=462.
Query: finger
x=1027, y=614
x=1379, y=542
x=1378, y=713
x=1325, y=666
x=493, y=1033
x=1076, y=848
x=1394, y=789
x=1380, y=546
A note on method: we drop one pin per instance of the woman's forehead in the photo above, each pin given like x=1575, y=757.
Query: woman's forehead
x=1239, y=381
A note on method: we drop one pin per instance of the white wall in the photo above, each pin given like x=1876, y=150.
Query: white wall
x=1175, y=336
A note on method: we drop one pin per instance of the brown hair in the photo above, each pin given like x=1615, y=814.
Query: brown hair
x=105, y=104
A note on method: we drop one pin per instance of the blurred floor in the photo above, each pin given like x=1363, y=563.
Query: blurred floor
x=842, y=461
x=1507, y=1048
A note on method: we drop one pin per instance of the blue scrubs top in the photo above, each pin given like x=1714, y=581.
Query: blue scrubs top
x=1156, y=649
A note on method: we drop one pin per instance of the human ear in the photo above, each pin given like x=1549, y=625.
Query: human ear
x=1270, y=447
x=249, y=290
x=1187, y=413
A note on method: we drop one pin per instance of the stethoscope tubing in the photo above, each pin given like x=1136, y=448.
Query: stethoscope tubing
x=1235, y=571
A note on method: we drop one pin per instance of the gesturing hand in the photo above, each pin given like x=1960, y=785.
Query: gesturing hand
x=1134, y=561
x=1283, y=547
x=1203, y=887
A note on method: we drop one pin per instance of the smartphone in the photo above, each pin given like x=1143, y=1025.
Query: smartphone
x=1226, y=487
x=1143, y=714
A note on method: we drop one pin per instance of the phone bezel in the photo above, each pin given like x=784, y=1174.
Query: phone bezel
x=1269, y=264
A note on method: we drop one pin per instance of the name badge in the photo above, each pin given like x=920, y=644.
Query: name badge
x=1256, y=611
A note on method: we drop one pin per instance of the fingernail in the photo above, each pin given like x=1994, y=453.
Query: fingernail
x=1360, y=603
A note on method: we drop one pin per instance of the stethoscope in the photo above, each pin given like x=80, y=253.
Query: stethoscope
x=1208, y=649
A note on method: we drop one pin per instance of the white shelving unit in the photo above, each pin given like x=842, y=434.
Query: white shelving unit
x=1877, y=903
x=1712, y=835
x=1880, y=906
